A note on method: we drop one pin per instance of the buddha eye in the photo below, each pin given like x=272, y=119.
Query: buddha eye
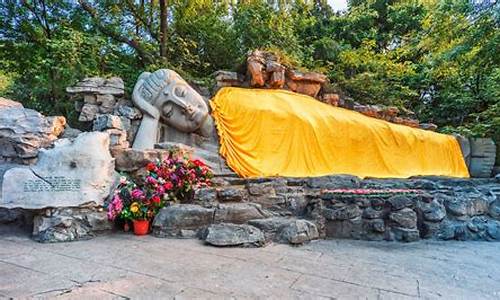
x=180, y=92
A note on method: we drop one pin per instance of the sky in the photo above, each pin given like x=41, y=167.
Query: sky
x=338, y=4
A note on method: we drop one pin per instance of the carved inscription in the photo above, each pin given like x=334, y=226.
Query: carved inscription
x=52, y=184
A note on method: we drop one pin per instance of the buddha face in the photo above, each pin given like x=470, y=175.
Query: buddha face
x=169, y=97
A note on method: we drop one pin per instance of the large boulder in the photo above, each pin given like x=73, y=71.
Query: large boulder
x=298, y=232
x=24, y=131
x=226, y=234
x=71, y=174
x=173, y=220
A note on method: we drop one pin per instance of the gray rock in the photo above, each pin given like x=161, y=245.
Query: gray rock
x=70, y=133
x=405, y=218
x=106, y=103
x=98, y=85
x=226, y=234
x=69, y=224
x=129, y=112
x=333, y=182
x=88, y=113
x=405, y=234
x=494, y=209
x=433, y=212
x=261, y=189
x=107, y=121
x=370, y=213
x=238, y=213
x=352, y=228
x=270, y=225
x=206, y=197
x=399, y=202
x=171, y=220
x=22, y=133
x=346, y=212
x=231, y=194
x=71, y=174
x=375, y=225
x=297, y=232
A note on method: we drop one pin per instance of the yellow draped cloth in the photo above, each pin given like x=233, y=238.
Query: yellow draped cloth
x=280, y=133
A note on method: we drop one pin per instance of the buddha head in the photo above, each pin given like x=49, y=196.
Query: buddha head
x=164, y=95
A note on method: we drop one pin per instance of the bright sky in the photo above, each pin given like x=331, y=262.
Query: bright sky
x=338, y=4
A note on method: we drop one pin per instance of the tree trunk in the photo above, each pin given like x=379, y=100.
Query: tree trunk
x=163, y=27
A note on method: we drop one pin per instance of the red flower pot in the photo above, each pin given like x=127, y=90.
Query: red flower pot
x=141, y=227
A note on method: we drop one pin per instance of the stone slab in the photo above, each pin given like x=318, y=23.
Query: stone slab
x=68, y=175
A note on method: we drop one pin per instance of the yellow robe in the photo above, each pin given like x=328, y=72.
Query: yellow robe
x=280, y=133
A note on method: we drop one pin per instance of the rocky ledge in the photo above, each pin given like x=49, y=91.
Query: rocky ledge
x=252, y=212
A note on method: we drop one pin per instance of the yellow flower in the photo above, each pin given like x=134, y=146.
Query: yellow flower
x=134, y=207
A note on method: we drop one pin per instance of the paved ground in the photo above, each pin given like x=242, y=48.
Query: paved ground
x=125, y=266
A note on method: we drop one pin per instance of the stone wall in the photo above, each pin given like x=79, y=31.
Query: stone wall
x=296, y=210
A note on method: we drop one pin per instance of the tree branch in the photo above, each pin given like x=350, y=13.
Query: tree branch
x=140, y=19
x=143, y=54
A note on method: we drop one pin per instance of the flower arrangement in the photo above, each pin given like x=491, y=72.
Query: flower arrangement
x=173, y=179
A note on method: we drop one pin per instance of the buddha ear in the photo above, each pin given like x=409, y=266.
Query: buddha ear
x=138, y=98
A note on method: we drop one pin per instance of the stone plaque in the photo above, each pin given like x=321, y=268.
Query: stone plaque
x=68, y=175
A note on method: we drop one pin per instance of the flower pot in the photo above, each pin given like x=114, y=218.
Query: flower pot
x=141, y=227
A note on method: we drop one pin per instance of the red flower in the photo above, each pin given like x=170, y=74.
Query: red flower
x=198, y=163
x=168, y=185
x=156, y=200
x=150, y=166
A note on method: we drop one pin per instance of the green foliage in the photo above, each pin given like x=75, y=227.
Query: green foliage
x=436, y=57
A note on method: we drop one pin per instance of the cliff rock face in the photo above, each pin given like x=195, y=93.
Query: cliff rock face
x=24, y=131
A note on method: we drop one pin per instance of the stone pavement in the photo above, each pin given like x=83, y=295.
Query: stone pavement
x=122, y=265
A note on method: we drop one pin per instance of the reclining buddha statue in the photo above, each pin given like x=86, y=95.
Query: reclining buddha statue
x=262, y=132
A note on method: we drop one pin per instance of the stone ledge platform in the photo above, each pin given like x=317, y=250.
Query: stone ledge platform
x=296, y=210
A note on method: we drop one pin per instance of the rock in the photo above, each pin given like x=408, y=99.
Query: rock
x=308, y=76
x=69, y=224
x=261, y=189
x=98, y=85
x=405, y=234
x=22, y=133
x=346, y=212
x=57, y=124
x=375, y=225
x=405, y=218
x=60, y=229
x=231, y=194
x=88, y=113
x=428, y=126
x=334, y=182
x=107, y=121
x=70, y=133
x=106, y=103
x=255, y=68
x=494, y=210
x=238, y=213
x=399, y=202
x=463, y=206
x=352, y=228
x=226, y=78
x=297, y=232
x=117, y=138
x=270, y=225
x=206, y=197
x=433, y=212
x=233, y=235
x=7, y=103
x=71, y=174
x=172, y=219
x=332, y=99
x=304, y=87
x=129, y=160
x=370, y=213
x=129, y=112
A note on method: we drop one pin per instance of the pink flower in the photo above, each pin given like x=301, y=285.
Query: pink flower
x=151, y=180
x=137, y=194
